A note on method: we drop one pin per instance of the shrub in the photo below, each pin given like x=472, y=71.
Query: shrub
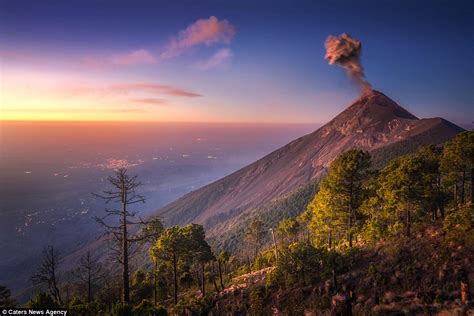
x=42, y=301
x=459, y=225
x=256, y=302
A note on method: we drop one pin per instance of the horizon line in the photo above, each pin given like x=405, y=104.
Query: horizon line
x=155, y=122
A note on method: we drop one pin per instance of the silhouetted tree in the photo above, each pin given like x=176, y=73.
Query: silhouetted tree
x=89, y=273
x=48, y=272
x=5, y=298
x=123, y=192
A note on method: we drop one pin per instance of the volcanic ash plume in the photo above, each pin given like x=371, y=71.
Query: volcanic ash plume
x=345, y=51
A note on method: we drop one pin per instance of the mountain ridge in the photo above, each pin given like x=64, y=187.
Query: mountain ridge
x=371, y=122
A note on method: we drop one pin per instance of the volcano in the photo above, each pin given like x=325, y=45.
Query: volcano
x=374, y=123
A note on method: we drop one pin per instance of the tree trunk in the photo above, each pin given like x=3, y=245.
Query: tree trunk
x=330, y=240
x=175, y=278
x=219, y=267
x=350, y=229
x=441, y=209
x=89, y=287
x=155, y=281
x=463, y=181
x=334, y=279
x=275, y=245
x=203, y=280
x=126, y=285
x=215, y=285
x=455, y=193
x=408, y=220
x=54, y=284
x=472, y=185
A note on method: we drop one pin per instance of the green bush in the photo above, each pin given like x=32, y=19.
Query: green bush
x=121, y=309
x=42, y=301
x=459, y=225
x=256, y=302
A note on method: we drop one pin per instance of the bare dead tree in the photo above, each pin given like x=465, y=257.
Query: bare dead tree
x=124, y=193
x=48, y=272
x=89, y=273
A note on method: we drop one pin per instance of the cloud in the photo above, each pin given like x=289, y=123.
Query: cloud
x=220, y=58
x=126, y=88
x=151, y=101
x=141, y=56
x=203, y=31
x=152, y=90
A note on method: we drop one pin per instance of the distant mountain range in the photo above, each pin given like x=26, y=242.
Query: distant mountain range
x=284, y=180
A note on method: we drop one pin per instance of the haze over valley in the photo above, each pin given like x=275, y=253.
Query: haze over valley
x=48, y=174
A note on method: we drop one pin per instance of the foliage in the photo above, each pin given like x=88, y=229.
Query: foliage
x=299, y=264
x=122, y=309
x=256, y=302
x=405, y=192
x=255, y=234
x=457, y=162
x=5, y=298
x=288, y=230
x=42, y=301
x=197, y=306
x=335, y=208
x=459, y=225
x=181, y=247
x=265, y=259
x=146, y=308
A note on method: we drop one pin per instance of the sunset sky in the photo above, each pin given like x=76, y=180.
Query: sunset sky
x=229, y=60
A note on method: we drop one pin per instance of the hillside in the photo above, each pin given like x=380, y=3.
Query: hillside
x=410, y=276
x=373, y=122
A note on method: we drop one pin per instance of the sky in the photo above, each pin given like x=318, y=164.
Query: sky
x=229, y=61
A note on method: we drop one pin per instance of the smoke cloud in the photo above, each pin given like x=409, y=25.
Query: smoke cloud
x=345, y=52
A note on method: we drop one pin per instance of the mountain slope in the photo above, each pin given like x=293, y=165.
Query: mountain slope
x=374, y=122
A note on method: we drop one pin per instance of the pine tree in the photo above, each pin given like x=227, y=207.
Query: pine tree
x=255, y=234
x=150, y=235
x=170, y=247
x=335, y=208
x=457, y=165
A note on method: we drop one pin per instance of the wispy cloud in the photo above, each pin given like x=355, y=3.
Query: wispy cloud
x=220, y=58
x=203, y=31
x=136, y=57
x=141, y=56
x=151, y=101
x=155, y=88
